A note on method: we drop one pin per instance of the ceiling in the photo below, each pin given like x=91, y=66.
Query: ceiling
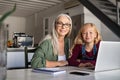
x=28, y=7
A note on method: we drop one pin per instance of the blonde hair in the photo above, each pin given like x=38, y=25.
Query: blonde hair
x=54, y=35
x=79, y=39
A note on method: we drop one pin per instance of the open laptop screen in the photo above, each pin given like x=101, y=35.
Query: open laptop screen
x=108, y=57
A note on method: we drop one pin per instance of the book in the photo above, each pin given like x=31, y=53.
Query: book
x=54, y=71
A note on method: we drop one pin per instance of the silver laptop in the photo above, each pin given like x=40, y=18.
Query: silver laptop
x=108, y=57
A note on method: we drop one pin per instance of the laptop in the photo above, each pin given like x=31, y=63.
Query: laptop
x=108, y=57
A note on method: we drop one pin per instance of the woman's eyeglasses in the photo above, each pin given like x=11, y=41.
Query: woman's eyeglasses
x=66, y=25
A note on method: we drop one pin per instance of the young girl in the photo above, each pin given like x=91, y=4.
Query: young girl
x=85, y=47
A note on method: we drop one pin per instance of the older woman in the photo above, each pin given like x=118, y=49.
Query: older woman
x=53, y=50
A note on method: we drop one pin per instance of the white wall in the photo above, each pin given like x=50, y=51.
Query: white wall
x=107, y=34
x=53, y=12
x=89, y=17
x=35, y=22
x=15, y=24
x=33, y=25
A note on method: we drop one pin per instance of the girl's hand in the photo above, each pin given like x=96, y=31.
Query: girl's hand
x=89, y=65
x=86, y=65
x=81, y=65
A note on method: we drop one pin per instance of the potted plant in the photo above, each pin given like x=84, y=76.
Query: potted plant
x=7, y=14
x=3, y=44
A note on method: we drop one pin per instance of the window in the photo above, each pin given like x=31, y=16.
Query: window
x=46, y=26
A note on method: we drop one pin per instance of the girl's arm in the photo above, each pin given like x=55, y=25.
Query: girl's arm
x=73, y=60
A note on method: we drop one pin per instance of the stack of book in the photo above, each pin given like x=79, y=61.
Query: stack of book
x=54, y=71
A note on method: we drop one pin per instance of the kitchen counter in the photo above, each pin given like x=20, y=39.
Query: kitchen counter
x=18, y=49
x=16, y=57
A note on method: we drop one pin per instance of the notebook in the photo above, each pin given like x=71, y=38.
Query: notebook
x=108, y=57
x=53, y=71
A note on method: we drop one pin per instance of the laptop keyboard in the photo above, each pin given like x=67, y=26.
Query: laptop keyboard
x=91, y=68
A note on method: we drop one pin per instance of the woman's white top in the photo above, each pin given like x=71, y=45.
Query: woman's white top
x=61, y=58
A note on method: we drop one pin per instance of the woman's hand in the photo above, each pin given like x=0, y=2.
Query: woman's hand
x=55, y=63
x=62, y=63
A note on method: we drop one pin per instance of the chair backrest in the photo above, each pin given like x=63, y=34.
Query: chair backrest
x=27, y=52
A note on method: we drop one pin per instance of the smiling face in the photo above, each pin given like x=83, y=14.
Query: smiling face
x=62, y=26
x=88, y=34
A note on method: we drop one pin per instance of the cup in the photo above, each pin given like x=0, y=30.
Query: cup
x=3, y=51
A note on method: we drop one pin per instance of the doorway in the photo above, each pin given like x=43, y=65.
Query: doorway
x=77, y=22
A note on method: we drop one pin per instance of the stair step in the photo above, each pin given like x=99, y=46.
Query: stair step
x=108, y=12
x=111, y=16
x=114, y=9
x=104, y=6
x=99, y=4
x=108, y=8
x=111, y=5
x=103, y=2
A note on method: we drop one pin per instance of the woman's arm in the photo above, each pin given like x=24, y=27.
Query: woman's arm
x=39, y=57
x=44, y=57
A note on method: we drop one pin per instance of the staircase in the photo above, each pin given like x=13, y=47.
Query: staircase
x=106, y=11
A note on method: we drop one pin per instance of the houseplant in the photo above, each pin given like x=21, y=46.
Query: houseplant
x=7, y=14
x=3, y=44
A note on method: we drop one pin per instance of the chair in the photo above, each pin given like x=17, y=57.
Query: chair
x=28, y=56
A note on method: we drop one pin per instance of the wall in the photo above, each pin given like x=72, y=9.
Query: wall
x=107, y=34
x=53, y=12
x=33, y=25
x=35, y=22
x=15, y=24
x=89, y=17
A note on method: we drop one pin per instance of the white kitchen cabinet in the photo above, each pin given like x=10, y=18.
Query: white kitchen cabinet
x=16, y=58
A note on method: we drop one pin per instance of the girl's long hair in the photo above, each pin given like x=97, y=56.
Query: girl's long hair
x=79, y=39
